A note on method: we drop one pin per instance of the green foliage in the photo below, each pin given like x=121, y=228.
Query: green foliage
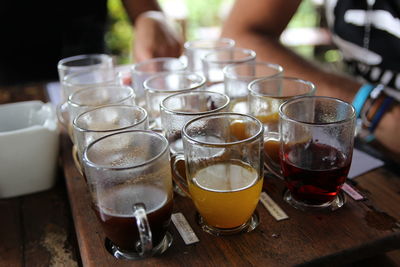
x=119, y=36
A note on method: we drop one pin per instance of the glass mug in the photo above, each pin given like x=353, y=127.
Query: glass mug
x=265, y=97
x=85, y=62
x=194, y=50
x=90, y=98
x=238, y=76
x=317, y=138
x=89, y=78
x=214, y=63
x=224, y=169
x=104, y=120
x=131, y=186
x=177, y=109
x=145, y=69
x=161, y=85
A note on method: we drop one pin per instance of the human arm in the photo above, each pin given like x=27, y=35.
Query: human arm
x=154, y=36
x=258, y=24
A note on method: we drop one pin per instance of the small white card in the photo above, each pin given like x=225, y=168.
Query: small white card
x=272, y=207
x=184, y=229
x=352, y=192
x=362, y=163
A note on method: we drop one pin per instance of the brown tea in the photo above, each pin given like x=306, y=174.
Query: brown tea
x=116, y=214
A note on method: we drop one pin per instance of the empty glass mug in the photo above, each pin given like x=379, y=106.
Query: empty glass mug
x=145, y=69
x=161, y=85
x=238, y=76
x=131, y=186
x=194, y=50
x=105, y=120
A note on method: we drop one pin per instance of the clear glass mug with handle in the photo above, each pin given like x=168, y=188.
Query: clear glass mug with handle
x=265, y=97
x=161, y=85
x=100, y=63
x=177, y=109
x=224, y=171
x=317, y=139
x=104, y=120
x=238, y=76
x=90, y=98
x=129, y=178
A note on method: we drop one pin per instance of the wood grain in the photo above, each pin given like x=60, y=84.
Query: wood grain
x=357, y=231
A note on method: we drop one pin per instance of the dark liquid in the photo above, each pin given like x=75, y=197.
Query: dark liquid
x=322, y=172
x=118, y=223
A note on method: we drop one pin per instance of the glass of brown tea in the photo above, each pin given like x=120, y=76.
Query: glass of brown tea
x=129, y=177
x=265, y=97
x=317, y=136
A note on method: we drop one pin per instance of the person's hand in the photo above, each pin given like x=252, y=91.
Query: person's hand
x=154, y=37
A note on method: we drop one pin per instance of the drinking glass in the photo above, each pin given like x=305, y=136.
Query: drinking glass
x=161, y=85
x=194, y=50
x=317, y=136
x=143, y=70
x=105, y=120
x=88, y=78
x=84, y=62
x=131, y=187
x=224, y=169
x=92, y=97
x=238, y=76
x=265, y=97
x=214, y=62
x=178, y=109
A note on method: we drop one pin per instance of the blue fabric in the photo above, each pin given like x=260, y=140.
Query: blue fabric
x=361, y=97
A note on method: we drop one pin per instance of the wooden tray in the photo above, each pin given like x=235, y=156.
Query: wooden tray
x=356, y=231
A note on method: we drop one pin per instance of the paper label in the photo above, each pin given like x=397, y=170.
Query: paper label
x=352, y=192
x=184, y=229
x=272, y=207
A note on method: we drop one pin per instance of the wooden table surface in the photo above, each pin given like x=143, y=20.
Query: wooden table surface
x=57, y=227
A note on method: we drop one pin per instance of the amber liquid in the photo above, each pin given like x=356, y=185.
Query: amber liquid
x=115, y=214
x=226, y=193
x=319, y=179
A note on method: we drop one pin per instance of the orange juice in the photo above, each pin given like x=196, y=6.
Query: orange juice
x=226, y=193
x=272, y=118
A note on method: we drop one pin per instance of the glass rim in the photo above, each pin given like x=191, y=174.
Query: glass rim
x=107, y=167
x=183, y=113
x=311, y=86
x=251, y=56
x=81, y=129
x=70, y=101
x=135, y=67
x=277, y=67
x=66, y=80
x=259, y=133
x=61, y=65
x=282, y=114
x=189, y=44
x=198, y=84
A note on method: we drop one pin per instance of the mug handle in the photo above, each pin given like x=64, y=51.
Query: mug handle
x=61, y=109
x=77, y=161
x=180, y=181
x=145, y=246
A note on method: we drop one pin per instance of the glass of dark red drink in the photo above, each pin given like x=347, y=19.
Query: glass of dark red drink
x=317, y=135
x=129, y=177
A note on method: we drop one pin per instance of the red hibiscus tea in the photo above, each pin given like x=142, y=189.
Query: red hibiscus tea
x=322, y=172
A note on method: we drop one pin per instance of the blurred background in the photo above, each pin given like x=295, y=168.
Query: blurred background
x=203, y=19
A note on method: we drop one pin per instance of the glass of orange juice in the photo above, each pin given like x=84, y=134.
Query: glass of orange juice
x=224, y=169
x=265, y=97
